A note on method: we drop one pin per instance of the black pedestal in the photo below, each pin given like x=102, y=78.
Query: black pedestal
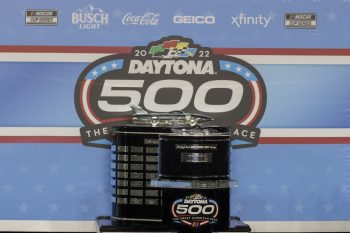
x=105, y=224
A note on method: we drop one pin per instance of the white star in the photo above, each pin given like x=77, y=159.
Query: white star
x=147, y=11
x=69, y=188
x=257, y=34
x=328, y=207
x=8, y=188
x=54, y=169
x=253, y=189
x=284, y=189
x=24, y=169
x=117, y=13
x=238, y=69
x=247, y=74
x=53, y=207
x=23, y=12
x=344, y=188
x=84, y=169
x=314, y=188
x=23, y=208
x=269, y=207
x=269, y=171
x=179, y=13
x=238, y=207
x=241, y=13
x=104, y=68
x=331, y=16
x=299, y=170
x=84, y=208
x=272, y=15
x=100, y=188
x=228, y=66
x=39, y=188
x=299, y=207
x=315, y=35
x=329, y=169
x=240, y=170
x=94, y=73
x=209, y=13
x=114, y=65
x=346, y=35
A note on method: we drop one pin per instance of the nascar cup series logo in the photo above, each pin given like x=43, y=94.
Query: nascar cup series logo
x=171, y=74
x=195, y=211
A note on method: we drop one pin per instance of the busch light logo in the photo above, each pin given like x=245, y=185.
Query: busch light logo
x=90, y=18
x=148, y=18
x=170, y=74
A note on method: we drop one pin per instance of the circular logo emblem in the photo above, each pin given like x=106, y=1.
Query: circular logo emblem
x=172, y=74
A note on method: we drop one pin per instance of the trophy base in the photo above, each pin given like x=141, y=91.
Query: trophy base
x=106, y=224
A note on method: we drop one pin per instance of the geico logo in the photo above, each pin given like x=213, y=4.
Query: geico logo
x=169, y=66
x=187, y=19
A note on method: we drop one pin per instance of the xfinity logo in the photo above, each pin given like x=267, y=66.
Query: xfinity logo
x=90, y=18
x=243, y=19
x=148, y=18
x=200, y=19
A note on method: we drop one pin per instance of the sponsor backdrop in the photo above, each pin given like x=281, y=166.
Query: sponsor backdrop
x=299, y=174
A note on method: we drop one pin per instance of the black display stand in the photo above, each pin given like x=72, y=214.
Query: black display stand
x=105, y=224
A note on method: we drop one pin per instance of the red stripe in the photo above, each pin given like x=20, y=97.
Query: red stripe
x=282, y=51
x=251, y=106
x=304, y=140
x=260, y=102
x=124, y=49
x=81, y=102
x=64, y=49
x=40, y=139
x=263, y=140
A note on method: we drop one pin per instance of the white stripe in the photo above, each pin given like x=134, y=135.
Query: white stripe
x=302, y=132
x=299, y=226
x=51, y=57
x=253, y=59
x=265, y=132
x=39, y=131
x=257, y=226
x=47, y=226
x=85, y=103
x=295, y=59
x=256, y=104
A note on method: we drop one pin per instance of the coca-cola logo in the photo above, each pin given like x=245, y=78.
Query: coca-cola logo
x=148, y=18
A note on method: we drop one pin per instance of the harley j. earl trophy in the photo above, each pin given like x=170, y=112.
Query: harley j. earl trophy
x=171, y=173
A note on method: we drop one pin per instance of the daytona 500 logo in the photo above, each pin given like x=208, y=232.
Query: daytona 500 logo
x=169, y=75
